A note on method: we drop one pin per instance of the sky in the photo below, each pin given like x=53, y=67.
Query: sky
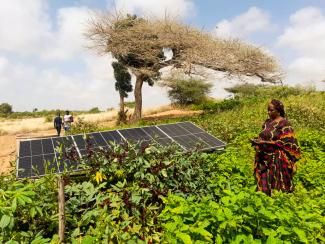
x=44, y=62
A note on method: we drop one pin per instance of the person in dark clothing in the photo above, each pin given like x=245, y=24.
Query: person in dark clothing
x=58, y=123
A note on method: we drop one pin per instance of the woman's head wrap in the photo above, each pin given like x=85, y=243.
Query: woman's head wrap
x=278, y=105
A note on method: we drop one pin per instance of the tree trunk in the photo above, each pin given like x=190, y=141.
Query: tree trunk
x=121, y=114
x=121, y=103
x=61, y=208
x=138, y=98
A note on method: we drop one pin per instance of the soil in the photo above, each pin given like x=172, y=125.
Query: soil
x=8, y=143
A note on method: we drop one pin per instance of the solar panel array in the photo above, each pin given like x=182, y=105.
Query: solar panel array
x=36, y=155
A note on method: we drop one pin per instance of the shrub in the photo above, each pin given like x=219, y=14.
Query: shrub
x=186, y=92
x=81, y=126
x=213, y=106
x=129, y=104
x=94, y=110
x=5, y=108
x=267, y=91
x=49, y=118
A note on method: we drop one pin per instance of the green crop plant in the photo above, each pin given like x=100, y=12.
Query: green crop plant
x=138, y=193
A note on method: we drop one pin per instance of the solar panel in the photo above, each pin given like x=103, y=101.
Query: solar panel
x=59, y=154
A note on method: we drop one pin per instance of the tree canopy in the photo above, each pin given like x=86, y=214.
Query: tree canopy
x=123, y=79
x=5, y=108
x=138, y=43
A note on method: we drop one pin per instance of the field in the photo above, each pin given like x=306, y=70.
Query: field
x=137, y=194
x=12, y=130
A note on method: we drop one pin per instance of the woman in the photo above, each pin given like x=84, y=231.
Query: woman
x=276, y=152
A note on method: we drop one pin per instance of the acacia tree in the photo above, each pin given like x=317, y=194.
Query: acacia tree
x=123, y=86
x=138, y=44
x=191, y=91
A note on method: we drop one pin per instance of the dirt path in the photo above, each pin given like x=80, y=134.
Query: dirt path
x=8, y=143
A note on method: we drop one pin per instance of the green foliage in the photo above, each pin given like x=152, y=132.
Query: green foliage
x=266, y=91
x=220, y=106
x=234, y=212
x=94, y=110
x=186, y=92
x=5, y=108
x=49, y=118
x=137, y=193
x=38, y=114
x=129, y=104
x=81, y=127
x=27, y=210
x=123, y=79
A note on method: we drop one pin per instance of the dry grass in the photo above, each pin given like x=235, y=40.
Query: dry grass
x=99, y=117
x=23, y=126
x=157, y=110
x=17, y=126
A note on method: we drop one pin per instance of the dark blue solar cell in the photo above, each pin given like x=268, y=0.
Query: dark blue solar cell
x=135, y=134
x=24, y=149
x=24, y=167
x=38, y=167
x=99, y=139
x=90, y=141
x=154, y=132
x=80, y=141
x=57, y=141
x=112, y=136
x=47, y=146
x=210, y=140
x=173, y=130
x=67, y=164
x=190, y=142
x=190, y=127
x=164, y=141
x=50, y=162
x=36, y=146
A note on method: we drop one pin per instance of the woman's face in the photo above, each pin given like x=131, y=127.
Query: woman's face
x=273, y=113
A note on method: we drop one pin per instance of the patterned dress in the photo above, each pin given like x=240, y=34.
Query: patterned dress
x=275, y=163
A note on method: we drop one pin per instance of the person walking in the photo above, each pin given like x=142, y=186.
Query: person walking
x=58, y=124
x=67, y=120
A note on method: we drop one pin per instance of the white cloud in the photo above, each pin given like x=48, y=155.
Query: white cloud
x=305, y=36
x=241, y=26
x=27, y=29
x=60, y=72
x=24, y=25
x=155, y=8
x=69, y=39
x=49, y=88
x=306, y=32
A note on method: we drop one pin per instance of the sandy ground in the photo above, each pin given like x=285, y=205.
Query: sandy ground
x=16, y=130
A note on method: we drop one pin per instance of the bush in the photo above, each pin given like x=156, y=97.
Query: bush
x=129, y=104
x=49, y=118
x=81, y=126
x=212, y=106
x=5, y=108
x=186, y=92
x=94, y=110
x=267, y=91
